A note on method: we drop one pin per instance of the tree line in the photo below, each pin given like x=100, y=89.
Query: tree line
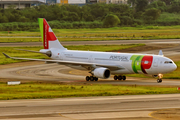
x=137, y=12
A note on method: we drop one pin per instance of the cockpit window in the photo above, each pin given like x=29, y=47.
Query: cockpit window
x=166, y=62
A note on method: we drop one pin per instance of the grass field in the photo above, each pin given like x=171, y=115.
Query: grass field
x=116, y=33
x=43, y=90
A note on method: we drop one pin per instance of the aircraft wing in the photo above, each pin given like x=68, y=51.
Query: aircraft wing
x=83, y=64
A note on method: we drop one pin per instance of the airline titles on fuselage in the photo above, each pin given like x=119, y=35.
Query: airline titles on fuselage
x=118, y=58
x=112, y=57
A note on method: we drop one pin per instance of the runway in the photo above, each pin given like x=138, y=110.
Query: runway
x=111, y=42
x=134, y=107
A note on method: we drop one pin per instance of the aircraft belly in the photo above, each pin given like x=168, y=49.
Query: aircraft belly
x=152, y=71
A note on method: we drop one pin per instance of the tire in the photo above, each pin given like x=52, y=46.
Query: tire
x=119, y=77
x=124, y=77
x=87, y=78
x=159, y=80
x=96, y=79
x=115, y=77
x=91, y=78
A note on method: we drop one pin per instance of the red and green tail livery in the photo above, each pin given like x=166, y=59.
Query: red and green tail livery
x=48, y=37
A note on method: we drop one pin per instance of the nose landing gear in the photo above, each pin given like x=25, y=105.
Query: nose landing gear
x=160, y=76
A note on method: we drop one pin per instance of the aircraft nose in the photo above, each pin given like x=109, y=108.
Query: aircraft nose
x=173, y=67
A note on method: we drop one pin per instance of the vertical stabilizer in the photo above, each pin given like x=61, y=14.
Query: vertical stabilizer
x=48, y=37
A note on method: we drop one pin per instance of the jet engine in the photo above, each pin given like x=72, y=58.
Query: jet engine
x=46, y=51
x=102, y=73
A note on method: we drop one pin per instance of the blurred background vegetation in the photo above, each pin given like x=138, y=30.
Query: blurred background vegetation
x=136, y=13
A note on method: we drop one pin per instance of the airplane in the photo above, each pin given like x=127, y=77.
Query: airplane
x=100, y=64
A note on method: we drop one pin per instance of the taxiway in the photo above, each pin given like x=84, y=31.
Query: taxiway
x=134, y=107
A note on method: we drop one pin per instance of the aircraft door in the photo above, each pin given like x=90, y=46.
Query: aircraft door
x=155, y=62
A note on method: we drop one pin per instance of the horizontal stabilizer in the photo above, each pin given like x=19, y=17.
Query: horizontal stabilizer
x=6, y=55
x=43, y=51
x=30, y=51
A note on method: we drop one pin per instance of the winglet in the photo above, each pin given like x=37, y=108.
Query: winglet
x=160, y=52
x=7, y=56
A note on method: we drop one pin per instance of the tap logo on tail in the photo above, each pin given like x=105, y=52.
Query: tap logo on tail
x=46, y=33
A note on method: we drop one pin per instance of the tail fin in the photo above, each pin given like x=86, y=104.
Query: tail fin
x=48, y=37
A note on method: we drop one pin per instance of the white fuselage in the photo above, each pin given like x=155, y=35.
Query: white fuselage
x=132, y=63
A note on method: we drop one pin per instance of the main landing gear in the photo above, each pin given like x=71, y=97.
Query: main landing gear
x=119, y=77
x=91, y=78
x=160, y=76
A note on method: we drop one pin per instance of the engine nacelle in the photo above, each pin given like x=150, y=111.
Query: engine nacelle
x=102, y=73
x=46, y=51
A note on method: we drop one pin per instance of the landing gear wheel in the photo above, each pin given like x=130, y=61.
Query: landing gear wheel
x=124, y=77
x=115, y=77
x=119, y=77
x=87, y=78
x=95, y=78
x=159, y=80
x=91, y=78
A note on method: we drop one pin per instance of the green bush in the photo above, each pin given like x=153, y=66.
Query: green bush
x=167, y=19
x=151, y=14
x=175, y=7
x=138, y=21
x=126, y=20
x=141, y=5
x=111, y=20
x=33, y=26
x=91, y=15
x=158, y=5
